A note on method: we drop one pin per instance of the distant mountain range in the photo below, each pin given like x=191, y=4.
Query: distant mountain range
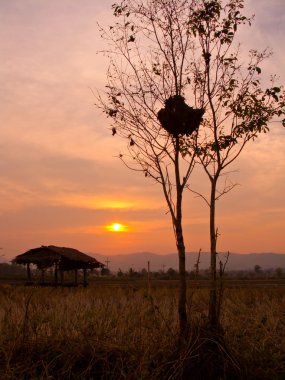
x=236, y=261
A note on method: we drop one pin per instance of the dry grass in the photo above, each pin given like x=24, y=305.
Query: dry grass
x=121, y=333
x=254, y=321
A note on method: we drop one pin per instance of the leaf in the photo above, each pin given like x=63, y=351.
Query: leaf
x=131, y=39
x=275, y=97
x=276, y=89
x=112, y=112
x=115, y=100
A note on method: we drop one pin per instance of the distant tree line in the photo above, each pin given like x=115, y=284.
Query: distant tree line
x=173, y=274
x=12, y=270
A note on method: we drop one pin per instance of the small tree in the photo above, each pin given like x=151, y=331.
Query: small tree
x=171, y=272
x=279, y=272
x=120, y=273
x=145, y=98
x=105, y=272
x=238, y=107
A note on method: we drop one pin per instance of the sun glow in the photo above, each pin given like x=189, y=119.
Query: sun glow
x=116, y=227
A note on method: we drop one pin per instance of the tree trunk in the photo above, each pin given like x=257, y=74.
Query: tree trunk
x=84, y=277
x=182, y=310
x=213, y=309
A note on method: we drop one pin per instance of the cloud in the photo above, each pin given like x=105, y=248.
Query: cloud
x=60, y=180
x=267, y=31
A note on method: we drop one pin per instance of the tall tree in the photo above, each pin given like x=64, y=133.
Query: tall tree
x=239, y=105
x=146, y=81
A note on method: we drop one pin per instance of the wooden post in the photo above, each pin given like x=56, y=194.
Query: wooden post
x=29, y=272
x=55, y=274
x=148, y=278
x=43, y=276
x=75, y=277
x=84, y=277
x=61, y=277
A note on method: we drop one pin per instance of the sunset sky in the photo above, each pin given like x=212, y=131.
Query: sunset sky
x=61, y=183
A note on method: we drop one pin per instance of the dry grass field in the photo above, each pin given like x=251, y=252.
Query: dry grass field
x=114, y=332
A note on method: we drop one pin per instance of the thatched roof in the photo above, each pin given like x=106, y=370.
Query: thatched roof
x=66, y=258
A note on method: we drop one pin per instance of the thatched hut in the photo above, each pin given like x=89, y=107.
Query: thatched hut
x=60, y=259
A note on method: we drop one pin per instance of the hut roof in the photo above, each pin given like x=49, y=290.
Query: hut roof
x=67, y=258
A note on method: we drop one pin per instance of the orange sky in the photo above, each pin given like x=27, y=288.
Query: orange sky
x=60, y=181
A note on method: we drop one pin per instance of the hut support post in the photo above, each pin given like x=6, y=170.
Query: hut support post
x=29, y=272
x=75, y=277
x=61, y=277
x=55, y=274
x=43, y=276
x=84, y=277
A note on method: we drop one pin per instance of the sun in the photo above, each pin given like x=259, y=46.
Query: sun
x=116, y=227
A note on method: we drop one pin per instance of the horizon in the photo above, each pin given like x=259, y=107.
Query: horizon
x=141, y=253
x=162, y=262
x=61, y=183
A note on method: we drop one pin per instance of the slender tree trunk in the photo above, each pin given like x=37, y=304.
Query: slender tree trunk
x=182, y=310
x=213, y=312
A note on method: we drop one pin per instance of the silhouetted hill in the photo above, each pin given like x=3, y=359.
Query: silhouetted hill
x=237, y=261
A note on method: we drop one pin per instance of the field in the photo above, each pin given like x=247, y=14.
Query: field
x=113, y=331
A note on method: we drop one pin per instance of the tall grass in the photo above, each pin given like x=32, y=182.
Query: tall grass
x=254, y=321
x=123, y=333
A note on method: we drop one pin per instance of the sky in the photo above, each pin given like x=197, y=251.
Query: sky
x=60, y=181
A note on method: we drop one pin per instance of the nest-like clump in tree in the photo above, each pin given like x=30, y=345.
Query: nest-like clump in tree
x=177, y=118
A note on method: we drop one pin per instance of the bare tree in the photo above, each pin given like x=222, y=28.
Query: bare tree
x=144, y=97
x=239, y=106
